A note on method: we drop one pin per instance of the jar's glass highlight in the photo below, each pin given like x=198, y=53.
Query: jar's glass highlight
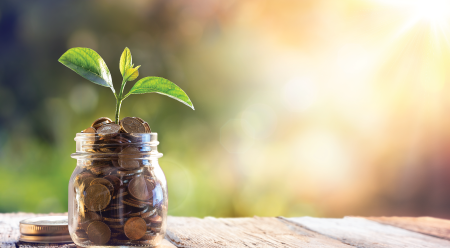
x=117, y=192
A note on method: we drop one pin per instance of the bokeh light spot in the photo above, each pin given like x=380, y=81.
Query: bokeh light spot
x=83, y=38
x=262, y=120
x=83, y=98
x=299, y=94
x=234, y=137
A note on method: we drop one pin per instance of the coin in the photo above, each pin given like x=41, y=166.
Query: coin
x=86, y=182
x=116, y=182
x=139, y=119
x=81, y=234
x=149, y=213
x=121, y=214
x=108, y=128
x=100, y=121
x=146, y=126
x=97, y=197
x=89, y=130
x=105, y=182
x=135, y=228
x=120, y=140
x=132, y=125
x=144, y=212
x=155, y=224
x=135, y=203
x=116, y=226
x=149, y=235
x=96, y=170
x=127, y=173
x=121, y=241
x=115, y=219
x=155, y=220
x=121, y=194
x=108, y=170
x=88, y=218
x=80, y=178
x=98, y=232
x=140, y=188
x=127, y=158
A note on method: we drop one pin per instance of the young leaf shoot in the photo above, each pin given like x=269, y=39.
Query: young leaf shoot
x=88, y=64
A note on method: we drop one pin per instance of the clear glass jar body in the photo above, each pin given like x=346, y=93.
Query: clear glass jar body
x=117, y=192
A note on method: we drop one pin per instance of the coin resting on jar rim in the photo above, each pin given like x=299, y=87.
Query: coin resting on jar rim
x=101, y=121
x=109, y=128
x=132, y=125
x=127, y=125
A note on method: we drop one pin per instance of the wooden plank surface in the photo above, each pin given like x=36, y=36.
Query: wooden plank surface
x=364, y=233
x=426, y=225
x=10, y=232
x=243, y=232
x=211, y=232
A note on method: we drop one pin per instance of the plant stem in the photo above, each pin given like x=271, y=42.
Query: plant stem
x=119, y=100
x=118, y=104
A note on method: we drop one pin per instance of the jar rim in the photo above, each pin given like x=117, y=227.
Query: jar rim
x=86, y=142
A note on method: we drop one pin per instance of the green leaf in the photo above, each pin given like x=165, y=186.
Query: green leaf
x=161, y=86
x=132, y=73
x=88, y=64
x=125, y=61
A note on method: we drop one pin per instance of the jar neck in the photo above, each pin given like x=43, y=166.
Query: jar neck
x=117, y=146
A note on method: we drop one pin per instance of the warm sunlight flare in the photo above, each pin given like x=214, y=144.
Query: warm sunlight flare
x=433, y=10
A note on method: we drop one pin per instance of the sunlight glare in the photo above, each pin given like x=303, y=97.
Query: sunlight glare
x=432, y=10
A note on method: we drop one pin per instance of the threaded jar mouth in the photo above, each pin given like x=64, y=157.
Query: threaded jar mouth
x=124, y=145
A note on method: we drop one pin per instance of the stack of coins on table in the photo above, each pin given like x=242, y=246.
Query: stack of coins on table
x=120, y=201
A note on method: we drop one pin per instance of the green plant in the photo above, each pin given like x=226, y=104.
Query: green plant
x=87, y=63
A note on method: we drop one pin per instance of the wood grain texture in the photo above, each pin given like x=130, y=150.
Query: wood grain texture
x=243, y=232
x=426, y=225
x=368, y=234
x=10, y=233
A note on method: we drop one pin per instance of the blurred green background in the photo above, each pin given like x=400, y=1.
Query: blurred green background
x=313, y=107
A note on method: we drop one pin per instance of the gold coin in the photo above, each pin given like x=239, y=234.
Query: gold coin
x=105, y=182
x=98, y=233
x=135, y=228
x=140, y=188
x=100, y=121
x=89, y=130
x=108, y=128
x=97, y=197
x=132, y=125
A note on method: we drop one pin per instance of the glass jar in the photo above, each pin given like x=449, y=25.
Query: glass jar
x=117, y=192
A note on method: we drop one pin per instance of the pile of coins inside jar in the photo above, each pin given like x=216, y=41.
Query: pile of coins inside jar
x=119, y=200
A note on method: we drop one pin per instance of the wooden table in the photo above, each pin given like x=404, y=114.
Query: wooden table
x=280, y=232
